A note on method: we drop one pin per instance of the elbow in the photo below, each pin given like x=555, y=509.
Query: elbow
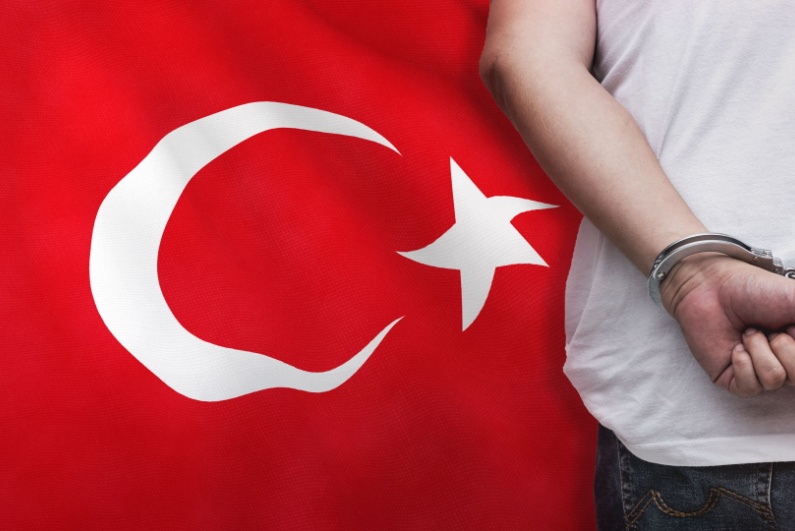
x=495, y=68
x=488, y=67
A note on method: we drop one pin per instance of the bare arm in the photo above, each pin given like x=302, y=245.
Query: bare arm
x=536, y=63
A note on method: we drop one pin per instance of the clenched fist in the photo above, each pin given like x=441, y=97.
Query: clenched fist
x=735, y=318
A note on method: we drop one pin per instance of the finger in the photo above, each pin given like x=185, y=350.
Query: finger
x=783, y=346
x=769, y=371
x=745, y=382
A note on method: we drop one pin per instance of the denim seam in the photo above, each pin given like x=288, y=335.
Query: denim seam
x=763, y=510
x=639, y=508
x=764, y=477
x=713, y=496
x=625, y=473
x=770, y=487
x=769, y=497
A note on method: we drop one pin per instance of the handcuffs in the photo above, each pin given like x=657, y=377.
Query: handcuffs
x=711, y=242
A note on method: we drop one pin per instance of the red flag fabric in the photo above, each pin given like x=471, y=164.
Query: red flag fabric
x=209, y=208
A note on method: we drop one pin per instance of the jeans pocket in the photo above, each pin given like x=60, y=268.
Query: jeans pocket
x=722, y=509
x=694, y=498
x=633, y=494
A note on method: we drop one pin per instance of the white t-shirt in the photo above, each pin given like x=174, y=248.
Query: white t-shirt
x=712, y=85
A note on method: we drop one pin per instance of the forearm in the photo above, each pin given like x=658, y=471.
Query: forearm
x=587, y=143
x=536, y=63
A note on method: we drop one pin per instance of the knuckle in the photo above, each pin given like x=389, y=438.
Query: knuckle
x=773, y=378
x=782, y=342
x=742, y=391
x=742, y=364
x=742, y=360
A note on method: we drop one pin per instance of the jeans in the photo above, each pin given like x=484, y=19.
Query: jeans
x=632, y=494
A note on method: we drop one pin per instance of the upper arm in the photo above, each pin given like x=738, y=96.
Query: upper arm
x=538, y=32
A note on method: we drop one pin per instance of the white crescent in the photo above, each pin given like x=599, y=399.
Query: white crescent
x=126, y=240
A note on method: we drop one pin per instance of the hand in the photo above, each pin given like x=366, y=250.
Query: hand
x=725, y=307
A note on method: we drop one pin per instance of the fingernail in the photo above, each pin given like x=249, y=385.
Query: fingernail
x=739, y=347
x=750, y=331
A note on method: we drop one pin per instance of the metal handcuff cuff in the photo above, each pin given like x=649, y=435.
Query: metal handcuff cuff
x=711, y=242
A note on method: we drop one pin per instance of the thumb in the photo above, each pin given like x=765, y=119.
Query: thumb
x=764, y=299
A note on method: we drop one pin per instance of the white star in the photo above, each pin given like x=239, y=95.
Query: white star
x=481, y=240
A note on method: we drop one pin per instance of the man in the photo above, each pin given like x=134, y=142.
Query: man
x=648, y=116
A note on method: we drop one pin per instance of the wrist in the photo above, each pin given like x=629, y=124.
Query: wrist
x=709, y=242
x=686, y=275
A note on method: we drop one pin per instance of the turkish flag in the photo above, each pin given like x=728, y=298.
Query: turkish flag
x=276, y=265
